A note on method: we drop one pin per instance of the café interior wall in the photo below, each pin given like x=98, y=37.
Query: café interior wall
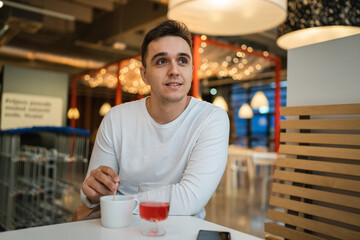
x=37, y=82
x=324, y=73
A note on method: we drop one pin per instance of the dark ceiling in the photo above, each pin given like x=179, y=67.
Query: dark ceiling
x=73, y=36
x=39, y=39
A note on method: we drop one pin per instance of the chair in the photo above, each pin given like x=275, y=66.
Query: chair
x=260, y=149
x=317, y=190
x=237, y=162
x=265, y=161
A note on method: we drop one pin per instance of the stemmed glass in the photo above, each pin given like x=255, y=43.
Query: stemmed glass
x=154, y=206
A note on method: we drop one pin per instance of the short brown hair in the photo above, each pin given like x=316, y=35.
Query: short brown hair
x=167, y=28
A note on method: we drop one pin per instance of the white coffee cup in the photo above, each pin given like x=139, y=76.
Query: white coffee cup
x=117, y=213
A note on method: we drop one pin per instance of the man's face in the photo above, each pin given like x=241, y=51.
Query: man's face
x=168, y=69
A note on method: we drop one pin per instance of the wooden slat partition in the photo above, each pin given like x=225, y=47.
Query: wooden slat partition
x=318, y=180
x=346, y=139
x=330, y=152
x=332, y=124
x=289, y=233
x=308, y=193
x=321, y=166
x=338, y=109
x=320, y=211
x=316, y=189
x=271, y=237
x=312, y=225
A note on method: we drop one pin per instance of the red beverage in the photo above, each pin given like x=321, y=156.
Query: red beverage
x=154, y=211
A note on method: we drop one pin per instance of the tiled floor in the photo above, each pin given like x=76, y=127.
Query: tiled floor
x=233, y=211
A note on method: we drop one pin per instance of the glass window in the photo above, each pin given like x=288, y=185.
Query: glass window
x=258, y=131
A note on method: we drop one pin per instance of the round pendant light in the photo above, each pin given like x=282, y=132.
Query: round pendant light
x=245, y=111
x=220, y=102
x=315, y=21
x=259, y=100
x=73, y=113
x=104, y=109
x=228, y=17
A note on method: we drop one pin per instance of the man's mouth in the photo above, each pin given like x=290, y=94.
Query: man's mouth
x=173, y=84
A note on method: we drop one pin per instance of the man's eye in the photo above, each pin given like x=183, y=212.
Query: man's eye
x=160, y=61
x=183, y=60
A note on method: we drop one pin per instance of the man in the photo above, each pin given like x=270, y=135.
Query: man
x=168, y=137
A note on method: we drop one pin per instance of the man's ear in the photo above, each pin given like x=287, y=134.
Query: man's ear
x=143, y=75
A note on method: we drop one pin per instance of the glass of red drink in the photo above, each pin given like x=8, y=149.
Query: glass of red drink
x=154, y=205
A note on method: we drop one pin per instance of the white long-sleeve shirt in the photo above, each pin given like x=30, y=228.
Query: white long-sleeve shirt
x=190, y=152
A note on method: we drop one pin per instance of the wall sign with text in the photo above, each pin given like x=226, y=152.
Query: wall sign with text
x=24, y=110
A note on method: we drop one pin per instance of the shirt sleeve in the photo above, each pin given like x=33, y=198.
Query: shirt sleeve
x=205, y=167
x=103, y=153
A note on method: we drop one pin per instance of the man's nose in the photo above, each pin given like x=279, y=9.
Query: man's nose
x=173, y=69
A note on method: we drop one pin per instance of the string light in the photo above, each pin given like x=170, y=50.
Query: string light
x=129, y=76
x=203, y=37
x=236, y=65
x=131, y=81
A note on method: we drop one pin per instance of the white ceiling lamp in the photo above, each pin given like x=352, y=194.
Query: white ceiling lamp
x=228, y=17
x=311, y=22
x=259, y=100
x=245, y=111
x=220, y=102
x=104, y=109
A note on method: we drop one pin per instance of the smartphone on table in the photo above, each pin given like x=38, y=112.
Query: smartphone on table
x=213, y=235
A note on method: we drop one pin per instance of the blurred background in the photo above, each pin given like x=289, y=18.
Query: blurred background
x=65, y=63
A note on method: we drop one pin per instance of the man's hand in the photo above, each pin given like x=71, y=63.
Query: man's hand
x=102, y=181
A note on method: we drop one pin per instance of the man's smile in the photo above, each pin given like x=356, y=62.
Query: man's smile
x=173, y=84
